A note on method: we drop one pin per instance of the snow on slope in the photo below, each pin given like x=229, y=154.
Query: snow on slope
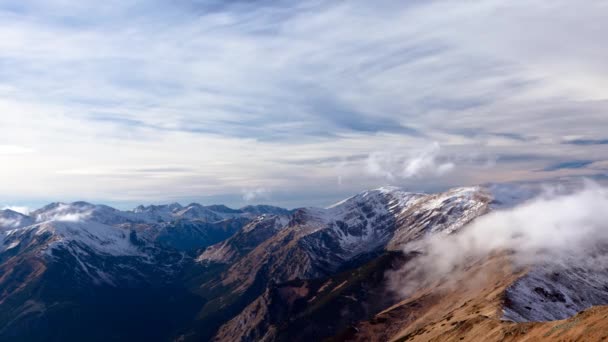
x=318, y=242
x=366, y=221
x=83, y=211
x=551, y=292
x=93, y=236
x=10, y=219
x=105, y=229
x=442, y=213
x=252, y=235
x=390, y=215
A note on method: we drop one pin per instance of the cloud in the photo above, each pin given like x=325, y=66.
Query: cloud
x=346, y=78
x=421, y=164
x=9, y=223
x=574, y=164
x=72, y=217
x=20, y=209
x=256, y=194
x=558, y=225
x=64, y=213
x=425, y=163
x=14, y=150
x=587, y=142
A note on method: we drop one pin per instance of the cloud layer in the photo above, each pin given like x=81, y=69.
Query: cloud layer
x=160, y=101
x=558, y=227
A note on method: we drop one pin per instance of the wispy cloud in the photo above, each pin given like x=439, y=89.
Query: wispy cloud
x=548, y=229
x=586, y=142
x=236, y=91
x=573, y=164
x=425, y=163
x=256, y=194
x=14, y=150
x=394, y=165
x=18, y=208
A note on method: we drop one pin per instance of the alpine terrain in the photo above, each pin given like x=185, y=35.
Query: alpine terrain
x=80, y=271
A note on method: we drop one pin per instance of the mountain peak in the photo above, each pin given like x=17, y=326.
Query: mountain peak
x=10, y=219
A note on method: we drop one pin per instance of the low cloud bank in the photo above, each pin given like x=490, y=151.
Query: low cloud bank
x=551, y=229
x=71, y=217
x=9, y=223
x=65, y=213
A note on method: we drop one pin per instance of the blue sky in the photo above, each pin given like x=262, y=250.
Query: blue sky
x=295, y=103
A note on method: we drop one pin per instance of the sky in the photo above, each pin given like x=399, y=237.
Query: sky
x=295, y=103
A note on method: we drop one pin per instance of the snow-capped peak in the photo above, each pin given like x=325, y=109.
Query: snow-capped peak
x=81, y=211
x=10, y=219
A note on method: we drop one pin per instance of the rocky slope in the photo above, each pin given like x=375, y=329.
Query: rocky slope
x=471, y=307
x=311, y=310
x=318, y=243
x=245, y=240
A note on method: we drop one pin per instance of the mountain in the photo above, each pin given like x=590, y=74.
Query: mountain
x=81, y=271
x=94, y=259
x=245, y=240
x=314, y=309
x=318, y=243
x=10, y=219
x=264, y=209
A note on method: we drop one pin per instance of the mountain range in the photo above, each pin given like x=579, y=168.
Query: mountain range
x=80, y=271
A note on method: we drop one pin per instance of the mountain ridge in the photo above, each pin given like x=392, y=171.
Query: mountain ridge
x=257, y=273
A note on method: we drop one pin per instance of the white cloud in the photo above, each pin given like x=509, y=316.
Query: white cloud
x=20, y=209
x=395, y=165
x=548, y=229
x=64, y=213
x=256, y=194
x=425, y=163
x=321, y=79
x=381, y=164
x=12, y=150
x=71, y=217
x=9, y=223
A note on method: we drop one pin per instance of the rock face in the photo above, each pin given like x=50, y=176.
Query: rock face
x=244, y=241
x=312, y=310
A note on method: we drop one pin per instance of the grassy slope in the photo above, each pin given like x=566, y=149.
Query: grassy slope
x=470, y=309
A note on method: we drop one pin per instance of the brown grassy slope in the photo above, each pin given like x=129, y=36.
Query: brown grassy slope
x=469, y=309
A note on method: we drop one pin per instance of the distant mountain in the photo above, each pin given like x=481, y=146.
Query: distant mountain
x=83, y=257
x=10, y=219
x=244, y=241
x=264, y=209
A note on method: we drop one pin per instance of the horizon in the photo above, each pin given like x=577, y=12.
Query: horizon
x=521, y=190
x=26, y=210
